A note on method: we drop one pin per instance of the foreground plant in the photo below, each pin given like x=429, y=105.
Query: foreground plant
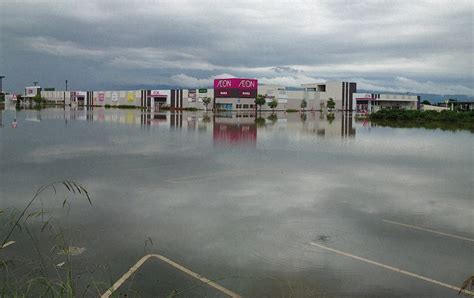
x=38, y=280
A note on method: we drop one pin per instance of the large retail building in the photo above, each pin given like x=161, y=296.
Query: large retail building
x=235, y=94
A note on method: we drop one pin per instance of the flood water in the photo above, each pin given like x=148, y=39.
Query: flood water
x=251, y=204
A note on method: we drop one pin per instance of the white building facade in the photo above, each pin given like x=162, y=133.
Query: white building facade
x=372, y=102
x=316, y=96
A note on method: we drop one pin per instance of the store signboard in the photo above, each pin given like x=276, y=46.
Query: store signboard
x=101, y=96
x=131, y=96
x=160, y=96
x=115, y=96
x=235, y=88
x=222, y=93
x=236, y=83
x=155, y=93
x=31, y=91
x=362, y=96
x=191, y=95
x=202, y=90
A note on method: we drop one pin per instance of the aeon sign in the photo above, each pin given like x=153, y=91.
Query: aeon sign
x=235, y=83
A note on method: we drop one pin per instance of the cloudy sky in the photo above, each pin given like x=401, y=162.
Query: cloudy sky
x=403, y=46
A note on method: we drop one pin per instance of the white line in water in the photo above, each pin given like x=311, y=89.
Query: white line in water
x=392, y=268
x=140, y=262
x=428, y=230
x=210, y=176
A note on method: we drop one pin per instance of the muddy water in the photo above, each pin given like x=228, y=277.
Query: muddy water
x=241, y=201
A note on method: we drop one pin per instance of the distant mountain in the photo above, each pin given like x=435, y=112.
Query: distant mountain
x=141, y=87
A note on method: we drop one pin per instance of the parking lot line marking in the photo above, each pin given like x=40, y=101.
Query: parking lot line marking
x=393, y=268
x=428, y=230
x=140, y=262
x=210, y=176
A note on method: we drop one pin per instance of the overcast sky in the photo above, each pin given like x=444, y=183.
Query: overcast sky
x=403, y=46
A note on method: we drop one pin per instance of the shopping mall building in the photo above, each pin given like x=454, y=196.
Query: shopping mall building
x=236, y=94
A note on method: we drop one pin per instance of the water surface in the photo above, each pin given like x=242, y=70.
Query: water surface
x=240, y=200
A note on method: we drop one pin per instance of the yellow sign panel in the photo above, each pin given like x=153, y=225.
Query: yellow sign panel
x=131, y=96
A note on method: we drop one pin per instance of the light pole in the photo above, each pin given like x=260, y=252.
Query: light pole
x=1, y=83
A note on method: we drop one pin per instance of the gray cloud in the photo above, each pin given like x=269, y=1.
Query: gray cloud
x=425, y=46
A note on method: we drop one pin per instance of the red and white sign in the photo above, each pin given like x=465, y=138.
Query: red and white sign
x=158, y=94
x=235, y=83
x=101, y=96
x=31, y=91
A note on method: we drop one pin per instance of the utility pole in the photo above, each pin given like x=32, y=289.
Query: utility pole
x=66, y=85
x=1, y=83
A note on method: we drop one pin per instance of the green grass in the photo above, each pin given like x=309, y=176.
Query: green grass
x=291, y=111
x=421, y=116
x=442, y=125
x=38, y=275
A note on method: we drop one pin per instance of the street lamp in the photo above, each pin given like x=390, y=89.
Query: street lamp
x=1, y=83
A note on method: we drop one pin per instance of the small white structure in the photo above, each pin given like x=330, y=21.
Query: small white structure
x=372, y=102
x=433, y=108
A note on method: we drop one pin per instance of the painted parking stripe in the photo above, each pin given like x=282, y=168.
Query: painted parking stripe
x=429, y=230
x=210, y=176
x=393, y=268
x=140, y=262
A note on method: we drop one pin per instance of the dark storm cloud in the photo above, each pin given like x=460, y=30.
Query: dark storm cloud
x=395, y=45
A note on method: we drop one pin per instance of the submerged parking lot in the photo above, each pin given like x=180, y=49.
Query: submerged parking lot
x=286, y=204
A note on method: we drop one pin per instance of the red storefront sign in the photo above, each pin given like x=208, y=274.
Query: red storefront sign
x=235, y=87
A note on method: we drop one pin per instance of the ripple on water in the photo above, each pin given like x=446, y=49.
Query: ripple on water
x=285, y=243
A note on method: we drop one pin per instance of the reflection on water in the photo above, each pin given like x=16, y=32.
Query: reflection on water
x=239, y=197
x=235, y=127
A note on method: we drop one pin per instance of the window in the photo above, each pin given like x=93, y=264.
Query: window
x=238, y=106
x=251, y=106
x=246, y=106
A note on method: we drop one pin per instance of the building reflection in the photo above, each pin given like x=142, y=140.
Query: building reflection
x=234, y=129
x=327, y=125
x=148, y=118
x=176, y=119
x=227, y=128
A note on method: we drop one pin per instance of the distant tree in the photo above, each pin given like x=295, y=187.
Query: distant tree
x=304, y=104
x=426, y=102
x=206, y=101
x=260, y=101
x=331, y=104
x=273, y=104
x=38, y=99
